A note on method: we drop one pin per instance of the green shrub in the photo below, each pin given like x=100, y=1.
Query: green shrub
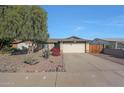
x=31, y=61
x=46, y=54
x=6, y=50
x=109, y=46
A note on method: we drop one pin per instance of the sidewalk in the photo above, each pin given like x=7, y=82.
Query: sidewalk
x=44, y=79
x=62, y=79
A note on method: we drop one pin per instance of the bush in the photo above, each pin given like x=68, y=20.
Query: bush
x=6, y=49
x=46, y=54
x=31, y=61
x=109, y=46
x=55, y=51
x=16, y=51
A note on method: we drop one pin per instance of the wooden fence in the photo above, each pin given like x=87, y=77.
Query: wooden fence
x=95, y=48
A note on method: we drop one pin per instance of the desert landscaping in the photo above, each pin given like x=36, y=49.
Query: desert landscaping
x=16, y=63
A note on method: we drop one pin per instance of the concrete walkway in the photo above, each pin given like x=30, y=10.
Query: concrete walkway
x=81, y=70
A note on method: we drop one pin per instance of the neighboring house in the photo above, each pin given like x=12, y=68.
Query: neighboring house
x=67, y=45
x=99, y=42
x=21, y=44
x=115, y=43
x=118, y=43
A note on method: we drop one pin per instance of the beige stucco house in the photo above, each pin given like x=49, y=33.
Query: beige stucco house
x=19, y=44
x=70, y=45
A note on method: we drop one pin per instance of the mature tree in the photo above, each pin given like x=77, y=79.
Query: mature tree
x=23, y=23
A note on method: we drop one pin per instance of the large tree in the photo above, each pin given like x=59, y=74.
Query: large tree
x=23, y=23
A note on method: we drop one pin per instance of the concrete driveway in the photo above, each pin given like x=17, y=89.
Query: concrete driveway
x=89, y=70
x=86, y=62
x=82, y=70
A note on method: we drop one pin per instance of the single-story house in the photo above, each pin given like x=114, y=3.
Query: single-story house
x=115, y=43
x=118, y=43
x=19, y=44
x=72, y=44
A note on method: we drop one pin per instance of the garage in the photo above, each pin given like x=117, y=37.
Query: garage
x=74, y=48
x=71, y=44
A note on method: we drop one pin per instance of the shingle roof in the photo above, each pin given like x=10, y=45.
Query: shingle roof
x=74, y=37
x=69, y=39
x=55, y=40
x=114, y=39
x=107, y=40
x=16, y=41
x=19, y=41
x=99, y=41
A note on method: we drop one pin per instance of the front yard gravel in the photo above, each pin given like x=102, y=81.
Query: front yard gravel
x=15, y=63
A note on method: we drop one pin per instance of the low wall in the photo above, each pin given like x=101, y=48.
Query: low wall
x=114, y=52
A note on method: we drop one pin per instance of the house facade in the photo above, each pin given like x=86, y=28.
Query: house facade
x=70, y=45
x=21, y=44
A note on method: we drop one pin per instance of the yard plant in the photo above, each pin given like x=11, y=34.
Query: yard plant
x=22, y=23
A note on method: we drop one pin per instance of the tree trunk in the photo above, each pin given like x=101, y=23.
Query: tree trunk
x=31, y=48
x=1, y=45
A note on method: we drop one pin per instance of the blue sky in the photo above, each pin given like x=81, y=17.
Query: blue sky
x=85, y=21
